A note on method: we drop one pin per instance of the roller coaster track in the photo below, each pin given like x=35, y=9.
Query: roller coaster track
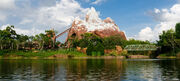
x=67, y=30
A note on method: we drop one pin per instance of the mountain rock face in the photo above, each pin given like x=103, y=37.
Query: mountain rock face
x=93, y=24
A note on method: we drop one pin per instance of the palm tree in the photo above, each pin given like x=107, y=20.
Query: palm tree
x=51, y=34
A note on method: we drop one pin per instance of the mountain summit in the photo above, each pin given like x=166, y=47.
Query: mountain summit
x=93, y=24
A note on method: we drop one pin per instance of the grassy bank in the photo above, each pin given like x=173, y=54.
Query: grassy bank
x=65, y=53
x=166, y=56
x=42, y=53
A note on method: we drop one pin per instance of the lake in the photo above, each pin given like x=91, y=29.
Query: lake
x=90, y=70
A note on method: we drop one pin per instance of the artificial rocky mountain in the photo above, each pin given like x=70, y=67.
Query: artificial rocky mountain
x=93, y=24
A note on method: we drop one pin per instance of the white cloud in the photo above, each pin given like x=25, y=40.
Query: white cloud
x=7, y=4
x=60, y=16
x=94, y=1
x=31, y=31
x=97, y=1
x=25, y=21
x=31, y=20
x=146, y=34
x=2, y=16
x=23, y=31
x=4, y=26
x=156, y=10
x=167, y=18
x=4, y=6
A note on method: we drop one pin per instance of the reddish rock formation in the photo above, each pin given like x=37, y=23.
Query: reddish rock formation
x=82, y=50
x=93, y=24
x=107, y=51
x=119, y=49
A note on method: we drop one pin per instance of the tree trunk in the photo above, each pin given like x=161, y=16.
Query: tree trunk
x=42, y=46
x=54, y=41
x=12, y=46
x=17, y=46
x=39, y=46
x=1, y=46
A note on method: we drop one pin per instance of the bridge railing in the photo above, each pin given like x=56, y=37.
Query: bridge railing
x=141, y=47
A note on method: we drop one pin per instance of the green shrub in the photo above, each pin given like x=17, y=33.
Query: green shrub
x=113, y=53
x=178, y=55
x=124, y=53
x=97, y=50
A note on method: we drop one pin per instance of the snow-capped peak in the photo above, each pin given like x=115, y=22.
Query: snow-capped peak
x=92, y=22
x=92, y=15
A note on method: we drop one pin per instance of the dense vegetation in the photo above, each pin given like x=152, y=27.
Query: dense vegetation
x=96, y=45
x=169, y=41
x=10, y=41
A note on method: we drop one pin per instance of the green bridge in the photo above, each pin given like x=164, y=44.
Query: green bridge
x=141, y=47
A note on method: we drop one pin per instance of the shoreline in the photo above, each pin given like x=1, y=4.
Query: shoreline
x=88, y=57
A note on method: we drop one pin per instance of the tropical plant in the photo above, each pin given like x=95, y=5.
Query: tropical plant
x=177, y=30
x=167, y=41
x=111, y=41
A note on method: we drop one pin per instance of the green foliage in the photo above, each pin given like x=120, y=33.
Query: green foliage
x=43, y=40
x=177, y=30
x=112, y=41
x=43, y=53
x=133, y=41
x=74, y=42
x=83, y=43
x=95, y=50
x=96, y=45
x=168, y=42
x=124, y=53
x=167, y=38
x=113, y=53
x=9, y=39
x=93, y=43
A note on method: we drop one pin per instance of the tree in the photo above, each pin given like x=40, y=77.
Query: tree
x=177, y=29
x=133, y=41
x=1, y=39
x=93, y=43
x=52, y=35
x=112, y=41
x=8, y=37
x=21, y=40
x=167, y=41
x=42, y=40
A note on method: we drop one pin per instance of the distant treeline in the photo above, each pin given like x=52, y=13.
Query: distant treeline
x=11, y=40
x=169, y=41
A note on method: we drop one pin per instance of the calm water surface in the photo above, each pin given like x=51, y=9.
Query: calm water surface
x=90, y=70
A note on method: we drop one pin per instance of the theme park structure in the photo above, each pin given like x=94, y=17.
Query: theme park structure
x=92, y=24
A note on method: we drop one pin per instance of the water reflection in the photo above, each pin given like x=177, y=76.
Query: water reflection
x=95, y=69
x=89, y=70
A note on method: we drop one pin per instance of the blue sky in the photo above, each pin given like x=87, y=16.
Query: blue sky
x=140, y=19
x=131, y=15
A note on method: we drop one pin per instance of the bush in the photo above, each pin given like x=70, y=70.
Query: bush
x=96, y=45
x=178, y=55
x=3, y=52
x=113, y=53
x=124, y=53
x=112, y=41
x=95, y=50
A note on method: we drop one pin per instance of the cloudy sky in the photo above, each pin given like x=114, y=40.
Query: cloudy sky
x=139, y=19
